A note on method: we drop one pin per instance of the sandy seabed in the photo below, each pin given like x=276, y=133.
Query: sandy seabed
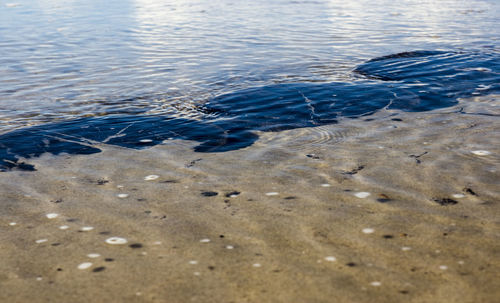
x=393, y=207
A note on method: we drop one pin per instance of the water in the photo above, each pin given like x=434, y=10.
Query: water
x=249, y=151
x=172, y=64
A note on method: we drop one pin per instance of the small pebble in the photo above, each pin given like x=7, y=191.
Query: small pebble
x=84, y=265
x=461, y=262
x=193, y=262
x=330, y=259
x=87, y=228
x=12, y=223
x=116, y=241
x=443, y=267
x=93, y=256
x=375, y=283
x=272, y=194
x=405, y=248
x=362, y=194
x=196, y=273
x=481, y=152
x=52, y=215
x=229, y=247
x=151, y=177
x=458, y=196
x=368, y=230
x=325, y=185
x=122, y=195
x=41, y=241
x=205, y=240
x=39, y=278
x=63, y=227
x=256, y=265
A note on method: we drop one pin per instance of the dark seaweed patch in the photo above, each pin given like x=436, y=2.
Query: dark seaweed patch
x=470, y=191
x=383, y=198
x=209, y=193
x=99, y=269
x=354, y=170
x=445, y=201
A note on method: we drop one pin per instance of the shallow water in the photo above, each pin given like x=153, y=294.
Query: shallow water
x=61, y=61
x=161, y=123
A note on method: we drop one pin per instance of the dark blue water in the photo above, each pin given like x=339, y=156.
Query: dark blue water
x=411, y=81
x=136, y=72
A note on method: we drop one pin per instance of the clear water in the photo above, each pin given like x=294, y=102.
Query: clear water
x=61, y=61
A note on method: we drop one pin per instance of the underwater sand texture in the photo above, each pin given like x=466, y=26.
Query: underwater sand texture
x=401, y=208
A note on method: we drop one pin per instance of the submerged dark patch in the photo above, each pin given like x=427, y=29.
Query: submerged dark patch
x=411, y=81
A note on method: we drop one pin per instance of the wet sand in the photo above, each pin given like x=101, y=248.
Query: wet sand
x=394, y=207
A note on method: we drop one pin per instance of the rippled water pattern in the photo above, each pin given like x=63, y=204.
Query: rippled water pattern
x=410, y=81
x=74, y=59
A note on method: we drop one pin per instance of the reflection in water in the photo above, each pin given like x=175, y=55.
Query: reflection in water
x=411, y=81
x=67, y=60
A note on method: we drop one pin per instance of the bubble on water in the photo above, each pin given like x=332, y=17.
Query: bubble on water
x=272, y=193
x=41, y=241
x=368, y=230
x=52, y=215
x=362, y=194
x=481, y=152
x=330, y=259
x=122, y=195
x=116, y=241
x=205, y=240
x=63, y=227
x=151, y=177
x=84, y=265
x=93, y=255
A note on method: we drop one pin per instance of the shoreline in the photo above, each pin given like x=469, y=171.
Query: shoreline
x=398, y=208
